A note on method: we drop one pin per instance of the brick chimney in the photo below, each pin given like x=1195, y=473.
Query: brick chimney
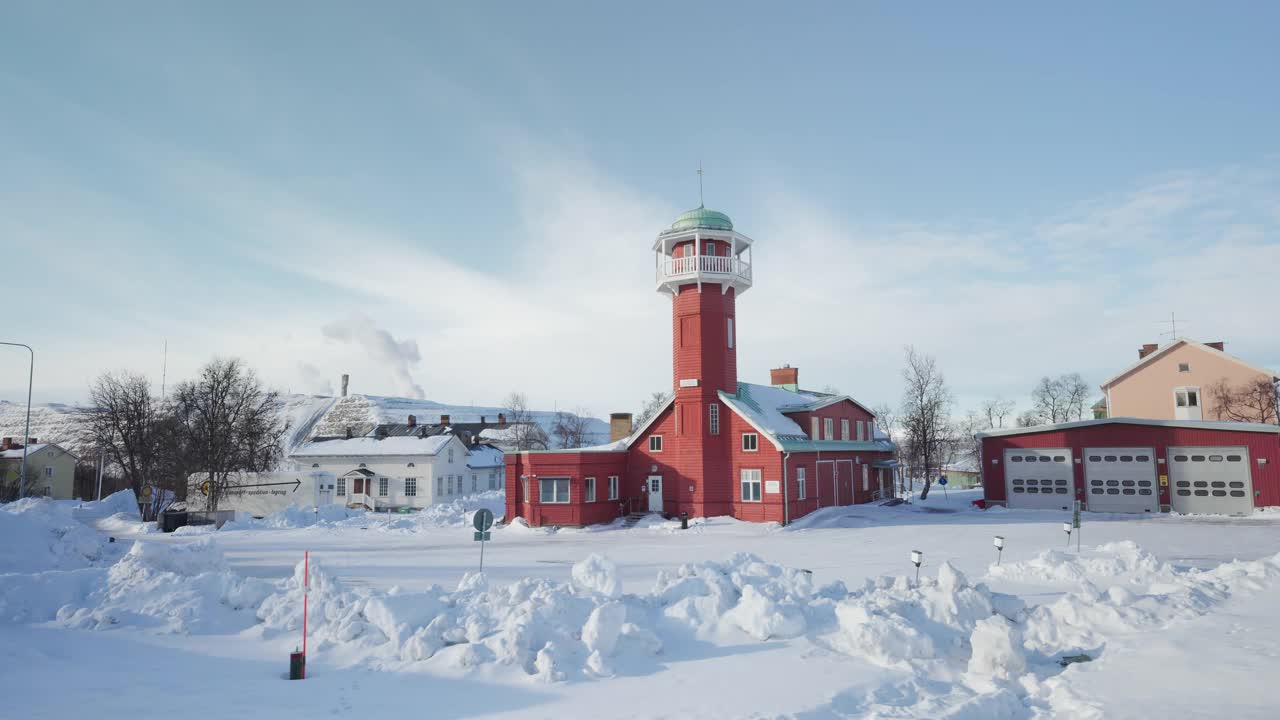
x=502, y=419
x=1147, y=349
x=619, y=426
x=32, y=441
x=413, y=421
x=444, y=419
x=785, y=377
x=1219, y=346
x=481, y=419
x=345, y=379
x=6, y=443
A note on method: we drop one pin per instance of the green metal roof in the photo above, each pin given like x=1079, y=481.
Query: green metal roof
x=701, y=217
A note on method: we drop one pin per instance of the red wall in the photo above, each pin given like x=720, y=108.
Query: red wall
x=846, y=410
x=1266, y=478
x=699, y=341
x=576, y=466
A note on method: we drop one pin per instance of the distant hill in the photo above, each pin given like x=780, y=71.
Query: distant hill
x=306, y=416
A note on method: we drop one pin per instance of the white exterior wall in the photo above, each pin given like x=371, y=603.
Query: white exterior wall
x=395, y=468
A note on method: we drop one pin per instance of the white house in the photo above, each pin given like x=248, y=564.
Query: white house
x=394, y=472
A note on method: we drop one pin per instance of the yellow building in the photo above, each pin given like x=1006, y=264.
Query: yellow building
x=50, y=469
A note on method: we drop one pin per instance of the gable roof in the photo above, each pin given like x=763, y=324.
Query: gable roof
x=635, y=434
x=1178, y=342
x=363, y=446
x=764, y=407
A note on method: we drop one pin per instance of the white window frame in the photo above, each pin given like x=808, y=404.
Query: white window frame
x=440, y=485
x=613, y=487
x=844, y=429
x=449, y=453
x=411, y=487
x=342, y=487
x=813, y=429
x=1182, y=396
x=754, y=443
x=861, y=430
x=730, y=331
x=524, y=489
x=655, y=446
x=384, y=486
x=493, y=480
x=802, y=491
x=589, y=489
x=749, y=485
x=475, y=483
x=829, y=428
x=48, y=471
x=554, y=484
x=713, y=419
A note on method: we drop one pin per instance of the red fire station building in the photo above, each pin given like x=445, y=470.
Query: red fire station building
x=718, y=446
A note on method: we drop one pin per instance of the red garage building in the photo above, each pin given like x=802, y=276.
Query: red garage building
x=718, y=446
x=1134, y=465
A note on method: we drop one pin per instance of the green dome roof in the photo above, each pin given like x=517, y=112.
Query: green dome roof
x=702, y=218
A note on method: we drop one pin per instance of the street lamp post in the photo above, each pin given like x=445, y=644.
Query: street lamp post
x=26, y=433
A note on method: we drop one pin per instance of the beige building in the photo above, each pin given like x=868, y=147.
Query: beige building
x=1182, y=381
x=50, y=469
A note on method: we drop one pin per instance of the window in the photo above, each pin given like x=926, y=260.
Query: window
x=493, y=480
x=813, y=429
x=342, y=487
x=613, y=487
x=829, y=428
x=1187, y=397
x=450, y=455
x=750, y=442
x=553, y=490
x=860, y=431
x=440, y=485
x=750, y=486
x=713, y=422
x=383, y=486
x=844, y=429
x=1184, y=367
x=48, y=471
x=411, y=487
x=655, y=443
x=800, y=488
x=590, y=485
x=1016, y=458
x=729, y=321
x=524, y=488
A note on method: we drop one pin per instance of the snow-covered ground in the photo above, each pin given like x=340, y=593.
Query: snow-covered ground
x=820, y=620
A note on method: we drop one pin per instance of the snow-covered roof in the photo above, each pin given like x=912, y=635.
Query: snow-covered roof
x=764, y=408
x=31, y=450
x=364, y=446
x=1192, y=424
x=1176, y=342
x=485, y=456
x=616, y=446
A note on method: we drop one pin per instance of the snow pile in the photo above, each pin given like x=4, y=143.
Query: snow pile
x=455, y=513
x=760, y=599
x=1112, y=561
x=39, y=534
x=296, y=516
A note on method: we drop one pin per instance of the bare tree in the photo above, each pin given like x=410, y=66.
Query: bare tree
x=651, y=407
x=1060, y=399
x=926, y=417
x=1028, y=418
x=571, y=429
x=969, y=446
x=135, y=432
x=229, y=424
x=996, y=410
x=525, y=434
x=1253, y=401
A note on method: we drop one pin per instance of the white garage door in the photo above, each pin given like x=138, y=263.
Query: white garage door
x=1212, y=480
x=1120, y=480
x=1039, y=478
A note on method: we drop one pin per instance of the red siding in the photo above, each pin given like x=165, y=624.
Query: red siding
x=700, y=342
x=1266, y=478
x=843, y=410
x=577, y=466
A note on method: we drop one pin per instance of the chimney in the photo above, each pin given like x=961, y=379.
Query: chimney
x=348, y=432
x=1219, y=346
x=785, y=377
x=481, y=419
x=444, y=419
x=6, y=443
x=345, y=379
x=32, y=441
x=502, y=419
x=619, y=426
x=413, y=421
x=1147, y=349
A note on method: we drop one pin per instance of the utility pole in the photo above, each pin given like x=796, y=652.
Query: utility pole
x=26, y=433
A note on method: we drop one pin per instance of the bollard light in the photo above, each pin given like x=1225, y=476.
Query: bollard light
x=1066, y=527
x=998, y=541
x=917, y=557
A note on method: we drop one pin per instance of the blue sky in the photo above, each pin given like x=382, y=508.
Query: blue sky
x=1017, y=189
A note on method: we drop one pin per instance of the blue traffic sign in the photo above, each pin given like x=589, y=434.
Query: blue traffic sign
x=942, y=480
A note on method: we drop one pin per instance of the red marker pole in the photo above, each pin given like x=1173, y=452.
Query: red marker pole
x=306, y=590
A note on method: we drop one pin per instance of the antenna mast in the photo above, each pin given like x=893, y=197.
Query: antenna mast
x=164, y=367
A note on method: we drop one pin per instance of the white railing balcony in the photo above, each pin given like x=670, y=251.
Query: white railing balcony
x=705, y=268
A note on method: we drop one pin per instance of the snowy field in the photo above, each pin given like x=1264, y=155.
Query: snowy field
x=727, y=619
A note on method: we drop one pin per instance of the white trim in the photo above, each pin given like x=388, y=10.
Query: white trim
x=656, y=414
x=746, y=435
x=659, y=439
x=1179, y=342
x=1191, y=424
x=821, y=403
